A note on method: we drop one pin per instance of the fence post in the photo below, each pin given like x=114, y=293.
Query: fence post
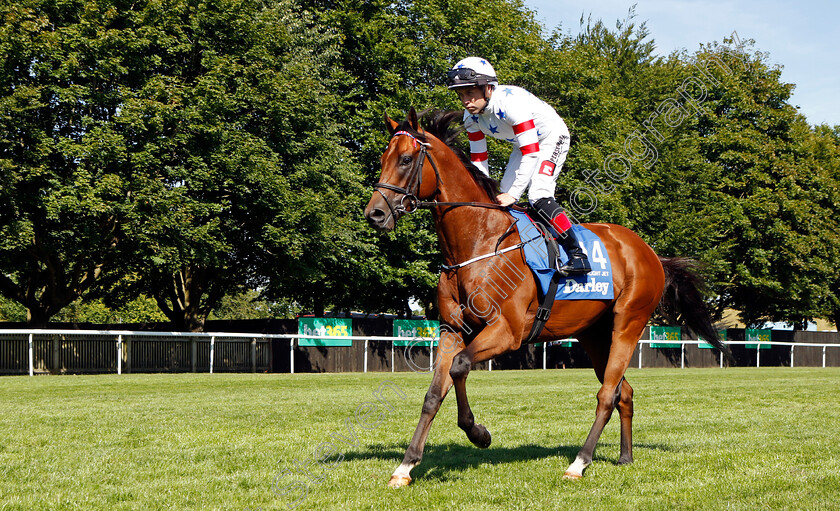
x=32, y=356
x=56, y=353
x=366, y=354
x=641, y=345
x=212, y=350
x=721, y=360
x=791, y=355
x=119, y=354
x=758, y=354
x=194, y=354
x=128, y=344
x=392, y=355
x=292, y=355
x=682, y=355
x=824, y=346
x=254, y=355
x=545, y=355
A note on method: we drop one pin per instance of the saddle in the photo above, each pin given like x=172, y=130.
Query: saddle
x=541, y=253
x=553, y=250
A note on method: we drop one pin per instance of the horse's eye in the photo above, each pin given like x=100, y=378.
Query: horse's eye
x=405, y=160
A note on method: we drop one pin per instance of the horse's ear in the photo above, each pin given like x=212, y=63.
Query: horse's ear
x=412, y=120
x=391, y=124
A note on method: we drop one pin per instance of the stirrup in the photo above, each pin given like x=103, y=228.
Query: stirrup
x=570, y=268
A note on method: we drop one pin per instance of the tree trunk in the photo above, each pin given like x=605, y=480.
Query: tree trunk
x=180, y=299
x=37, y=317
x=193, y=321
x=432, y=311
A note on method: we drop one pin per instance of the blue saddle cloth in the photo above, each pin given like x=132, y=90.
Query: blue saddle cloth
x=595, y=285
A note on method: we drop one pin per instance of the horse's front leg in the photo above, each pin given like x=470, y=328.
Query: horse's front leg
x=441, y=383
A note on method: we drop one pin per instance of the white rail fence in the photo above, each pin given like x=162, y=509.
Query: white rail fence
x=758, y=347
x=127, y=351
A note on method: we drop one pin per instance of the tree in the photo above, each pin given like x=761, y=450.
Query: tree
x=195, y=152
x=773, y=198
x=193, y=145
x=822, y=145
x=396, y=55
x=703, y=156
x=246, y=180
x=62, y=162
x=720, y=171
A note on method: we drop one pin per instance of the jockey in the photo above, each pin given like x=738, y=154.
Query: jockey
x=540, y=141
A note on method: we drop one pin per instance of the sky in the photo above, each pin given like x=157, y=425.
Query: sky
x=800, y=36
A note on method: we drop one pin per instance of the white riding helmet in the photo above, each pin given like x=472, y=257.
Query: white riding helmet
x=471, y=72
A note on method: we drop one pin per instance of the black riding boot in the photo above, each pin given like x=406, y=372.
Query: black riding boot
x=578, y=263
x=549, y=211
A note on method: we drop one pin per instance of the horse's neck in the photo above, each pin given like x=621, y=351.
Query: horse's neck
x=465, y=232
x=455, y=182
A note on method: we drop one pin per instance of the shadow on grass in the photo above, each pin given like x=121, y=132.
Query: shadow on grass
x=441, y=462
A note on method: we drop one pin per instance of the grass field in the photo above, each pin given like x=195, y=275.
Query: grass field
x=704, y=439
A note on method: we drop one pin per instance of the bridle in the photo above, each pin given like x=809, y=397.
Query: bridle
x=415, y=180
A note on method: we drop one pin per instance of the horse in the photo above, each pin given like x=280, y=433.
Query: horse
x=487, y=307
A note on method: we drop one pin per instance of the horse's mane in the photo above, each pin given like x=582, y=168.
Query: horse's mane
x=439, y=124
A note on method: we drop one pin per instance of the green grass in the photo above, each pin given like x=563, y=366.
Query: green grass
x=704, y=439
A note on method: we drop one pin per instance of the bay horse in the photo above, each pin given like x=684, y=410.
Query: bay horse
x=481, y=319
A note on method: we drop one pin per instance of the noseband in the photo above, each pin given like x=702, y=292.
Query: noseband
x=415, y=180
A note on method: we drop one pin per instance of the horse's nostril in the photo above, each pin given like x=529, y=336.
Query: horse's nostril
x=376, y=216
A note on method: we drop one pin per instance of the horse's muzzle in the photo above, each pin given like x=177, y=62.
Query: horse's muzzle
x=379, y=219
x=379, y=215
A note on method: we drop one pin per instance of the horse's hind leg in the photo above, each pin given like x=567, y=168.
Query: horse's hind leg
x=625, y=412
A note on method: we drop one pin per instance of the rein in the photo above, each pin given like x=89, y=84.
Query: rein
x=436, y=204
x=409, y=196
x=447, y=267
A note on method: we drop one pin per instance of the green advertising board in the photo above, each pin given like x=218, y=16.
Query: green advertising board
x=759, y=337
x=707, y=346
x=342, y=327
x=665, y=333
x=414, y=328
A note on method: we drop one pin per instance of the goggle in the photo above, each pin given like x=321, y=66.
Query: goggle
x=464, y=73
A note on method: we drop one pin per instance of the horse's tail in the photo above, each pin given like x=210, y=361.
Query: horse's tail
x=682, y=301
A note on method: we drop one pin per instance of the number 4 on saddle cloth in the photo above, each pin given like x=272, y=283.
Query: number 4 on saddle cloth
x=595, y=285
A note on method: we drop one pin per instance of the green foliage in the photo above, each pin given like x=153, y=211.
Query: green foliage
x=749, y=200
x=62, y=162
x=251, y=305
x=94, y=310
x=250, y=175
x=193, y=151
x=194, y=145
x=11, y=310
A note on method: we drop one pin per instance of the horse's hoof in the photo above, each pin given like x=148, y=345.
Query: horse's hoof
x=572, y=476
x=399, y=481
x=485, y=440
